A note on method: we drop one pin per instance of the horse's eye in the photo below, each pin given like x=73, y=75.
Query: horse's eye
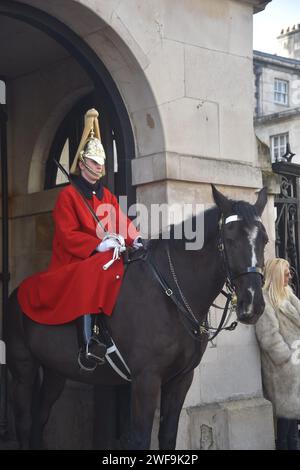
x=230, y=231
x=265, y=237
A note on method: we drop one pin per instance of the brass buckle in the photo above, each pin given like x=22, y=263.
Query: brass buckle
x=234, y=300
x=203, y=330
x=96, y=329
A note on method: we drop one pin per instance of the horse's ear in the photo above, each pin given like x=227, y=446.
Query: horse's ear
x=223, y=203
x=261, y=200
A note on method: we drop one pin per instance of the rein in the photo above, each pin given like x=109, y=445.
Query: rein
x=196, y=328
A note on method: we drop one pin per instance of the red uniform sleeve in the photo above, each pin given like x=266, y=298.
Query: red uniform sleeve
x=68, y=230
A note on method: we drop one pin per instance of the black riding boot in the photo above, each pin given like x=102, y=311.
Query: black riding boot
x=92, y=351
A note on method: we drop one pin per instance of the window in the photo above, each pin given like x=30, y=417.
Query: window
x=281, y=90
x=278, y=146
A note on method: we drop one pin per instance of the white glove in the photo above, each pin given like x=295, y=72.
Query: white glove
x=137, y=243
x=108, y=244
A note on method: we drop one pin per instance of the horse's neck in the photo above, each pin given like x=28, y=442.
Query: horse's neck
x=199, y=274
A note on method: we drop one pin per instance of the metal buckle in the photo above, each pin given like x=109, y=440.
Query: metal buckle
x=232, y=326
x=96, y=329
x=169, y=292
x=203, y=330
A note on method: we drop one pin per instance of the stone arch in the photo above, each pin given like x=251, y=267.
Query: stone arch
x=109, y=55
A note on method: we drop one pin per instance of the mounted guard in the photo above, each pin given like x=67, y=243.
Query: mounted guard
x=86, y=267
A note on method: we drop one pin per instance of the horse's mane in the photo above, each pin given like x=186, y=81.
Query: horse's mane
x=211, y=218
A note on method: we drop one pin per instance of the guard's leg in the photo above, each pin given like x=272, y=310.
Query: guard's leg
x=92, y=350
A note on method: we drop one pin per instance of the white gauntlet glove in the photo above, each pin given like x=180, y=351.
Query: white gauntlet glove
x=112, y=241
x=108, y=244
x=115, y=242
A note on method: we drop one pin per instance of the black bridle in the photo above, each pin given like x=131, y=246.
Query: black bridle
x=222, y=249
x=230, y=295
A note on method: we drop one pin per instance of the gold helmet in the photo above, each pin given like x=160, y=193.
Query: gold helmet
x=90, y=145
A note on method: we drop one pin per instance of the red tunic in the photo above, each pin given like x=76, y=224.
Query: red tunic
x=75, y=282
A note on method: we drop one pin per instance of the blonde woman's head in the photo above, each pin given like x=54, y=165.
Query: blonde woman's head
x=277, y=276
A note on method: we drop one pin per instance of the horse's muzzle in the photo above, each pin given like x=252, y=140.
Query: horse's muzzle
x=249, y=313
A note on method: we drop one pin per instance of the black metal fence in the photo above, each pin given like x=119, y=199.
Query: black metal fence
x=287, y=218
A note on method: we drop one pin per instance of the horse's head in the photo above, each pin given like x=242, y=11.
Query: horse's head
x=242, y=242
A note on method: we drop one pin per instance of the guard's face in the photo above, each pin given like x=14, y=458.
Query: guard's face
x=92, y=171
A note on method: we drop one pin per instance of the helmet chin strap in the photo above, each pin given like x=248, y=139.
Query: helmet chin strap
x=90, y=170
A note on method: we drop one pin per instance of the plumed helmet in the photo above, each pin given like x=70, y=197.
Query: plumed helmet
x=90, y=145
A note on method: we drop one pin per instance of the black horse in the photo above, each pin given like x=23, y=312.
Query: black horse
x=158, y=340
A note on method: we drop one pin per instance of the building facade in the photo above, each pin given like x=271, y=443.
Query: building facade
x=277, y=126
x=163, y=75
x=277, y=103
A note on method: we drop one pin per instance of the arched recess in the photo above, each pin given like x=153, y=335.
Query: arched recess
x=118, y=98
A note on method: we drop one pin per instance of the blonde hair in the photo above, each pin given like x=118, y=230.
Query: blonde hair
x=274, y=281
